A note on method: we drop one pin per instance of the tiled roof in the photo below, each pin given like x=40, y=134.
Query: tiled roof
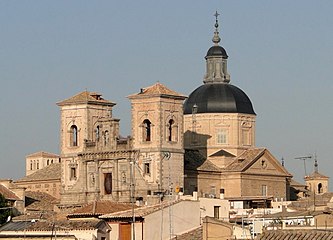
x=8, y=194
x=243, y=160
x=139, y=212
x=209, y=166
x=305, y=203
x=99, y=208
x=39, y=201
x=52, y=171
x=296, y=234
x=315, y=175
x=49, y=225
x=193, y=159
x=157, y=89
x=195, y=234
x=43, y=154
x=84, y=98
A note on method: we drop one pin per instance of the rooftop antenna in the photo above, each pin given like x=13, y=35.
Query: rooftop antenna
x=303, y=159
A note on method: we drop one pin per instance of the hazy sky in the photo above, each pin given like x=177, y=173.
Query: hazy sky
x=280, y=54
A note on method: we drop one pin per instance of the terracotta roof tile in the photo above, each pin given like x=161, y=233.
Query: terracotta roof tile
x=243, y=160
x=84, y=98
x=7, y=193
x=65, y=224
x=52, y=171
x=296, y=234
x=315, y=175
x=99, y=208
x=157, y=89
x=139, y=212
x=39, y=201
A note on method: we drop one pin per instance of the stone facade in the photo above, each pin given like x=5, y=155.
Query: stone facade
x=210, y=132
x=45, y=180
x=98, y=164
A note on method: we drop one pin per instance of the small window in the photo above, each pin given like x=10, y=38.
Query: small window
x=264, y=190
x=73, y=173
x=48, y=162
x=73, y=136
x=222, y=136
x=246, y=137
x=147, y=168
x=37, y=164
x=31, y=165
x=146, y=130
x=97, y=132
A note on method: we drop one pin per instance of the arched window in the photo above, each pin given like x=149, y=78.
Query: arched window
x=106, y=137
x=37, y=164
x=97, y=132
x=73, y=136
x=31, y=165
x=48, y=162
x=146, y=130
x=170, y=127
x=320, y=188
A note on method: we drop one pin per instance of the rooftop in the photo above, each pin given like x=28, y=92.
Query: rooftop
x=52, y=171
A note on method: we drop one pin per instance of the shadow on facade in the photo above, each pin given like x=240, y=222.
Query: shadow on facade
x=195, y=156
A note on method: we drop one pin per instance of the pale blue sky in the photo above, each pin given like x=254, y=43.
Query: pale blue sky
x=280, y=54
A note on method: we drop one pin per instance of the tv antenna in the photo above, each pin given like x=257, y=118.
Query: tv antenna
x=303, y=159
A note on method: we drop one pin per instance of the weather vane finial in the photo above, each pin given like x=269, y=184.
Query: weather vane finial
x=216, y=38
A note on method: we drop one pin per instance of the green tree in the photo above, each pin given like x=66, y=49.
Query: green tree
x=4, y=212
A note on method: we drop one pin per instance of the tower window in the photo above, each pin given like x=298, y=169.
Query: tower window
x=172, y=131
x=147, y=168
x=108, y=183
x=37, y=164
x=106, y=137
x=73, y=136
x=31, y=165
x=320, y=188
x=48, y=162
x=147, y=130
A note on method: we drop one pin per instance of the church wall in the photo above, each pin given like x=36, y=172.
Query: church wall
x=214, y=131
x=258, y=185
x=51, y=187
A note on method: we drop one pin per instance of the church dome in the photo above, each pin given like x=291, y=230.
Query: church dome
x=217, y=51
x=218, y=98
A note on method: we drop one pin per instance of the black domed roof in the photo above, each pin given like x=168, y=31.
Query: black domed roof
x=217, y=51
x=218, y=98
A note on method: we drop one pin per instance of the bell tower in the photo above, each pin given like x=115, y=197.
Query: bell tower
x=157, y=130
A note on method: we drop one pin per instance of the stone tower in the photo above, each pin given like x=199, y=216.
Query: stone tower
x=86, y=128
x=218, y=115
x=317, y=182
x=157, y=131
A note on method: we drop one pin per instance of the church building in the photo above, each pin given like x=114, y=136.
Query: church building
x=204, y=143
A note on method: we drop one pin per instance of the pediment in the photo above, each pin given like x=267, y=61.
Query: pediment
x=266, y=164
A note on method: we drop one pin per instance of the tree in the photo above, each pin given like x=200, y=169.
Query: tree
x=4, y=212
